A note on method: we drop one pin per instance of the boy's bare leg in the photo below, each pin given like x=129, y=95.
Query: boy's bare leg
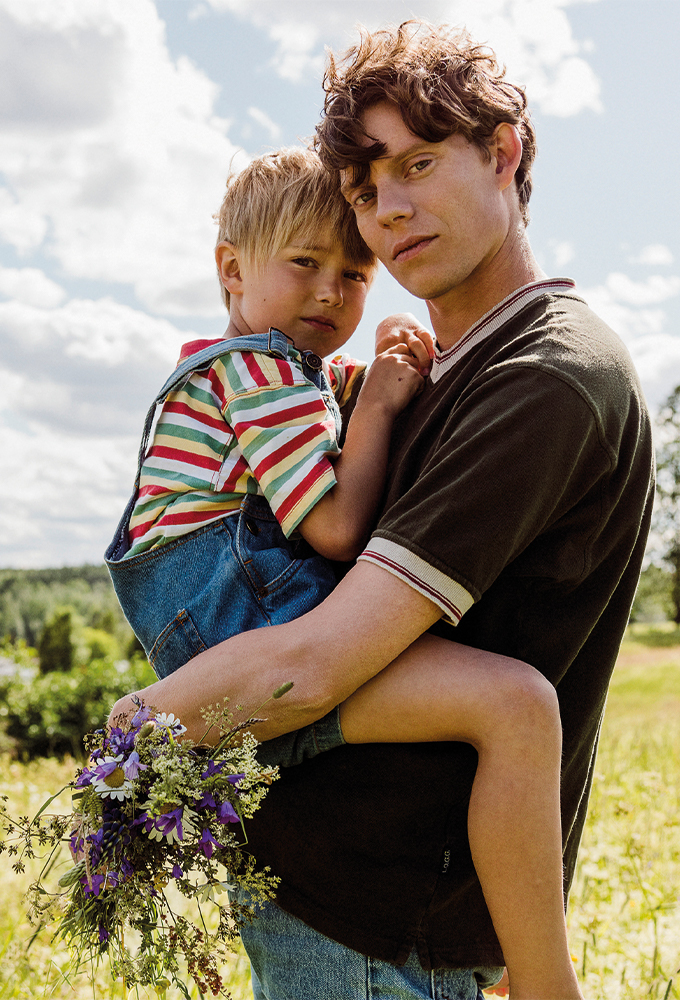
x=438, y=690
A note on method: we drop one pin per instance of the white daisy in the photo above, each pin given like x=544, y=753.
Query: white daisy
x=170, y=722
x=109, y=779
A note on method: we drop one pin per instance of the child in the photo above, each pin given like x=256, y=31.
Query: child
x=245, y=489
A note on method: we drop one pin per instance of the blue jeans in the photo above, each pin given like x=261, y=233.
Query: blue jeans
x=291, y=961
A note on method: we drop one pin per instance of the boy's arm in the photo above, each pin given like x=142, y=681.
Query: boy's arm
x=340, y=523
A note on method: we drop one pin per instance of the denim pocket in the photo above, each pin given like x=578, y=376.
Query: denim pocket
x=179, y=641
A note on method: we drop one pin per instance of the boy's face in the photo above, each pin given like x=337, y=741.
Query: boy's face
x=309, y=291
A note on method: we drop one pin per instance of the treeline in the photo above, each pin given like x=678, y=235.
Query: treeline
x=30, y=598
x=71, y=656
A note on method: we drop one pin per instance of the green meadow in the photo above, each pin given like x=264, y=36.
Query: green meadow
x=624, y=912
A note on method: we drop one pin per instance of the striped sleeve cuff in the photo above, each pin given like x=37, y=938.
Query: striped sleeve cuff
x=446, y=593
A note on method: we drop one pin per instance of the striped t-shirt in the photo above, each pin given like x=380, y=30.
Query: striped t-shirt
x=250, y=424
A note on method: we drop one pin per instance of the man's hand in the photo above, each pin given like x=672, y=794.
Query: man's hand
x=124, y=707
x=402, y=333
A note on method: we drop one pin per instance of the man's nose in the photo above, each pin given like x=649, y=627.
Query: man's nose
x=393, y=204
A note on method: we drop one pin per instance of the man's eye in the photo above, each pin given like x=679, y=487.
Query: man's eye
x=416, y=168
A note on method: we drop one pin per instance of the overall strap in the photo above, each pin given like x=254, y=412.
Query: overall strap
x=274, y=343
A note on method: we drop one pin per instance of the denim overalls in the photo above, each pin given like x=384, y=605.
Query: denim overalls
x=235, y=574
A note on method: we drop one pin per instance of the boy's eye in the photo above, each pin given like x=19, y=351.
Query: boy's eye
x=304, y=261
x=355, y=275
x=419, y=166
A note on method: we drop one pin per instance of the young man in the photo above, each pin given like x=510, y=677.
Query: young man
x=517, y=507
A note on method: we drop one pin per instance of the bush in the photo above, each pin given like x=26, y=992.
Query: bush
x=49, y=715
x=56, y=649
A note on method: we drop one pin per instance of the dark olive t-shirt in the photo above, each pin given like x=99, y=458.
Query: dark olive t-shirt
x=518, y=499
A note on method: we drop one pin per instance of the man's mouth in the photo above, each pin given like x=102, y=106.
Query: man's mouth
x=411, y=247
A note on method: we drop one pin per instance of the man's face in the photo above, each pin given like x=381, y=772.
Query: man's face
x=432, y=212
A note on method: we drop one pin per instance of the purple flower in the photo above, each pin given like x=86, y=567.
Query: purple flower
x=177, y=871
x=126, y=869
x=227, y=814
x=168, y=825
x=98, y=882
x=142, y=715
x=104, y=768
x=133, y=766
x=103, y=934
x=236, y=779
x=212, y=769
x=118, y=741
x=207, y=802
x=207, y=843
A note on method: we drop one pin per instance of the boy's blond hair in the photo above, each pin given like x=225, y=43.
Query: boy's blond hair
x=283, y=195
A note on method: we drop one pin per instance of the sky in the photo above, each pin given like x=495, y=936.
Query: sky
x=119, y=123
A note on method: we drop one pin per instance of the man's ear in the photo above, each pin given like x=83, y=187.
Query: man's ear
x=506, y=149
x=229, y=267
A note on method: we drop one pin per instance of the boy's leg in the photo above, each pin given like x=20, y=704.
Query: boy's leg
x=438, y=690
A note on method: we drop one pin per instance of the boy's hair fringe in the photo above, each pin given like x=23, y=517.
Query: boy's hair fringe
x=441, y=81
x=281, y=195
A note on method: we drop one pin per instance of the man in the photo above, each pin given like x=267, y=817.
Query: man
x=517, y=509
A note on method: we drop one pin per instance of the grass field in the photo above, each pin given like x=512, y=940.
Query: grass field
x=625, y=906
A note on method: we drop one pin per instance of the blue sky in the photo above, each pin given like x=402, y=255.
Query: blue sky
x=119, y=123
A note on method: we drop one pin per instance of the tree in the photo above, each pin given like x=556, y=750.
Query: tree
x=56, y=649
x=667, y=516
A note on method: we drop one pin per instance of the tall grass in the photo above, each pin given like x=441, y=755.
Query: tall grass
x=624, y=911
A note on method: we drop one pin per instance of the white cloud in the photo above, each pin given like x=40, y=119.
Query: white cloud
x=113, y=158
x=632, y=308
x=86, y=367
x=654, y=289
x=61, y=496
x=265, y=122
x=654, y=255
x=533, y=37
x=30, y=286
x=563, y=252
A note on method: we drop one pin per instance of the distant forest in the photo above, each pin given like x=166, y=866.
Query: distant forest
x=30, y=597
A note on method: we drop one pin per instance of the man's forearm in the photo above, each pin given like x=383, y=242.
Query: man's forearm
x=328, y=653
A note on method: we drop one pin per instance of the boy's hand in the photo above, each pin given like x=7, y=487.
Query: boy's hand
x=392, y=381
x=403, y=333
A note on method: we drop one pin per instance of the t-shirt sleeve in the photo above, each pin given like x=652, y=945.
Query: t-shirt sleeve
x=284, y=431
x=346, y=377
x=522, y=455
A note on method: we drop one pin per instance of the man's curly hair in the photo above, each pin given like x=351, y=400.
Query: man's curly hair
x=441, y=81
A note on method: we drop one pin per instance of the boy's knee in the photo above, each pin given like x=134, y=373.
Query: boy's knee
x=530, y=699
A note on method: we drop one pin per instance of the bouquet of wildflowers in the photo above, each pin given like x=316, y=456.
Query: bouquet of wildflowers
x=152, y=811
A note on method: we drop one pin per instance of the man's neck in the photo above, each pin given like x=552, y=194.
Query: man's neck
x=454, y=313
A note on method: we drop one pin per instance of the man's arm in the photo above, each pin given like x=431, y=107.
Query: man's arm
x=370, y=617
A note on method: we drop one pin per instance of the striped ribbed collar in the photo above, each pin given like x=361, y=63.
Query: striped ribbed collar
x=445, y=360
